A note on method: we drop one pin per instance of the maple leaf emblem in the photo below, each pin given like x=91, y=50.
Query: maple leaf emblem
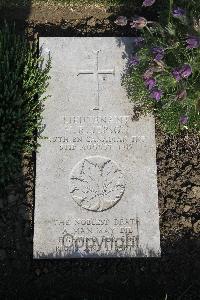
x=96, y=183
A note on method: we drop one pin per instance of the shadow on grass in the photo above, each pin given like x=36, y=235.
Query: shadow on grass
x=13, y=14
x=12, y=109
x=16, y=11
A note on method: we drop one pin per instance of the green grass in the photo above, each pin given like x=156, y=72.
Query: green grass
x=22, y=85
x=21, y=3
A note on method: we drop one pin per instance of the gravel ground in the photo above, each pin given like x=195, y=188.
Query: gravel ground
x=174, y=276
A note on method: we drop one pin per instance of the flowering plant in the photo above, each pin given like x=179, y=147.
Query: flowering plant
x=163, y=74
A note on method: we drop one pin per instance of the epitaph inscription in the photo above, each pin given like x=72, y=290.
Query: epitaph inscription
x=96, y=186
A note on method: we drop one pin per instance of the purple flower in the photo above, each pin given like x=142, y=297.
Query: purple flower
x=193, y=42
x=150, y=83
x=186, y=71
x=148, y=2
x=121, y=21
x=158, y=53
x=139, y=23
x=176, y=74
x=156, y=94
x=180, y=73
x=181, y=95
x=138, y=41
x=134, y=61
x=184, y=119
x=178, y=12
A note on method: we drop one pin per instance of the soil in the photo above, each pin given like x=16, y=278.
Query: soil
x=175, y=275
x=49, y=20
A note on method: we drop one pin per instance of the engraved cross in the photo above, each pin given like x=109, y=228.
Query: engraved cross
x=97, y=72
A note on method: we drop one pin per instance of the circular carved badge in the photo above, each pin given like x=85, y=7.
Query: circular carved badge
x=96, y=183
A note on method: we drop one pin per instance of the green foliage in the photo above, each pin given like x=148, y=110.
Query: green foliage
x=22, y=84
x=170, y=34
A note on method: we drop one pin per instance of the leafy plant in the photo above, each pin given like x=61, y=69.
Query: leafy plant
x=22, y=84
x=164, y=71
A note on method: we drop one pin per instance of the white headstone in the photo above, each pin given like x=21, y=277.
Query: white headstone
x=96, y=185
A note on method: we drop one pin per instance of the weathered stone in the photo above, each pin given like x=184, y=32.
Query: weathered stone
x=96, y=185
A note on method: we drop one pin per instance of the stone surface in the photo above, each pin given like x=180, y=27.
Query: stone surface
x=96, y=186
